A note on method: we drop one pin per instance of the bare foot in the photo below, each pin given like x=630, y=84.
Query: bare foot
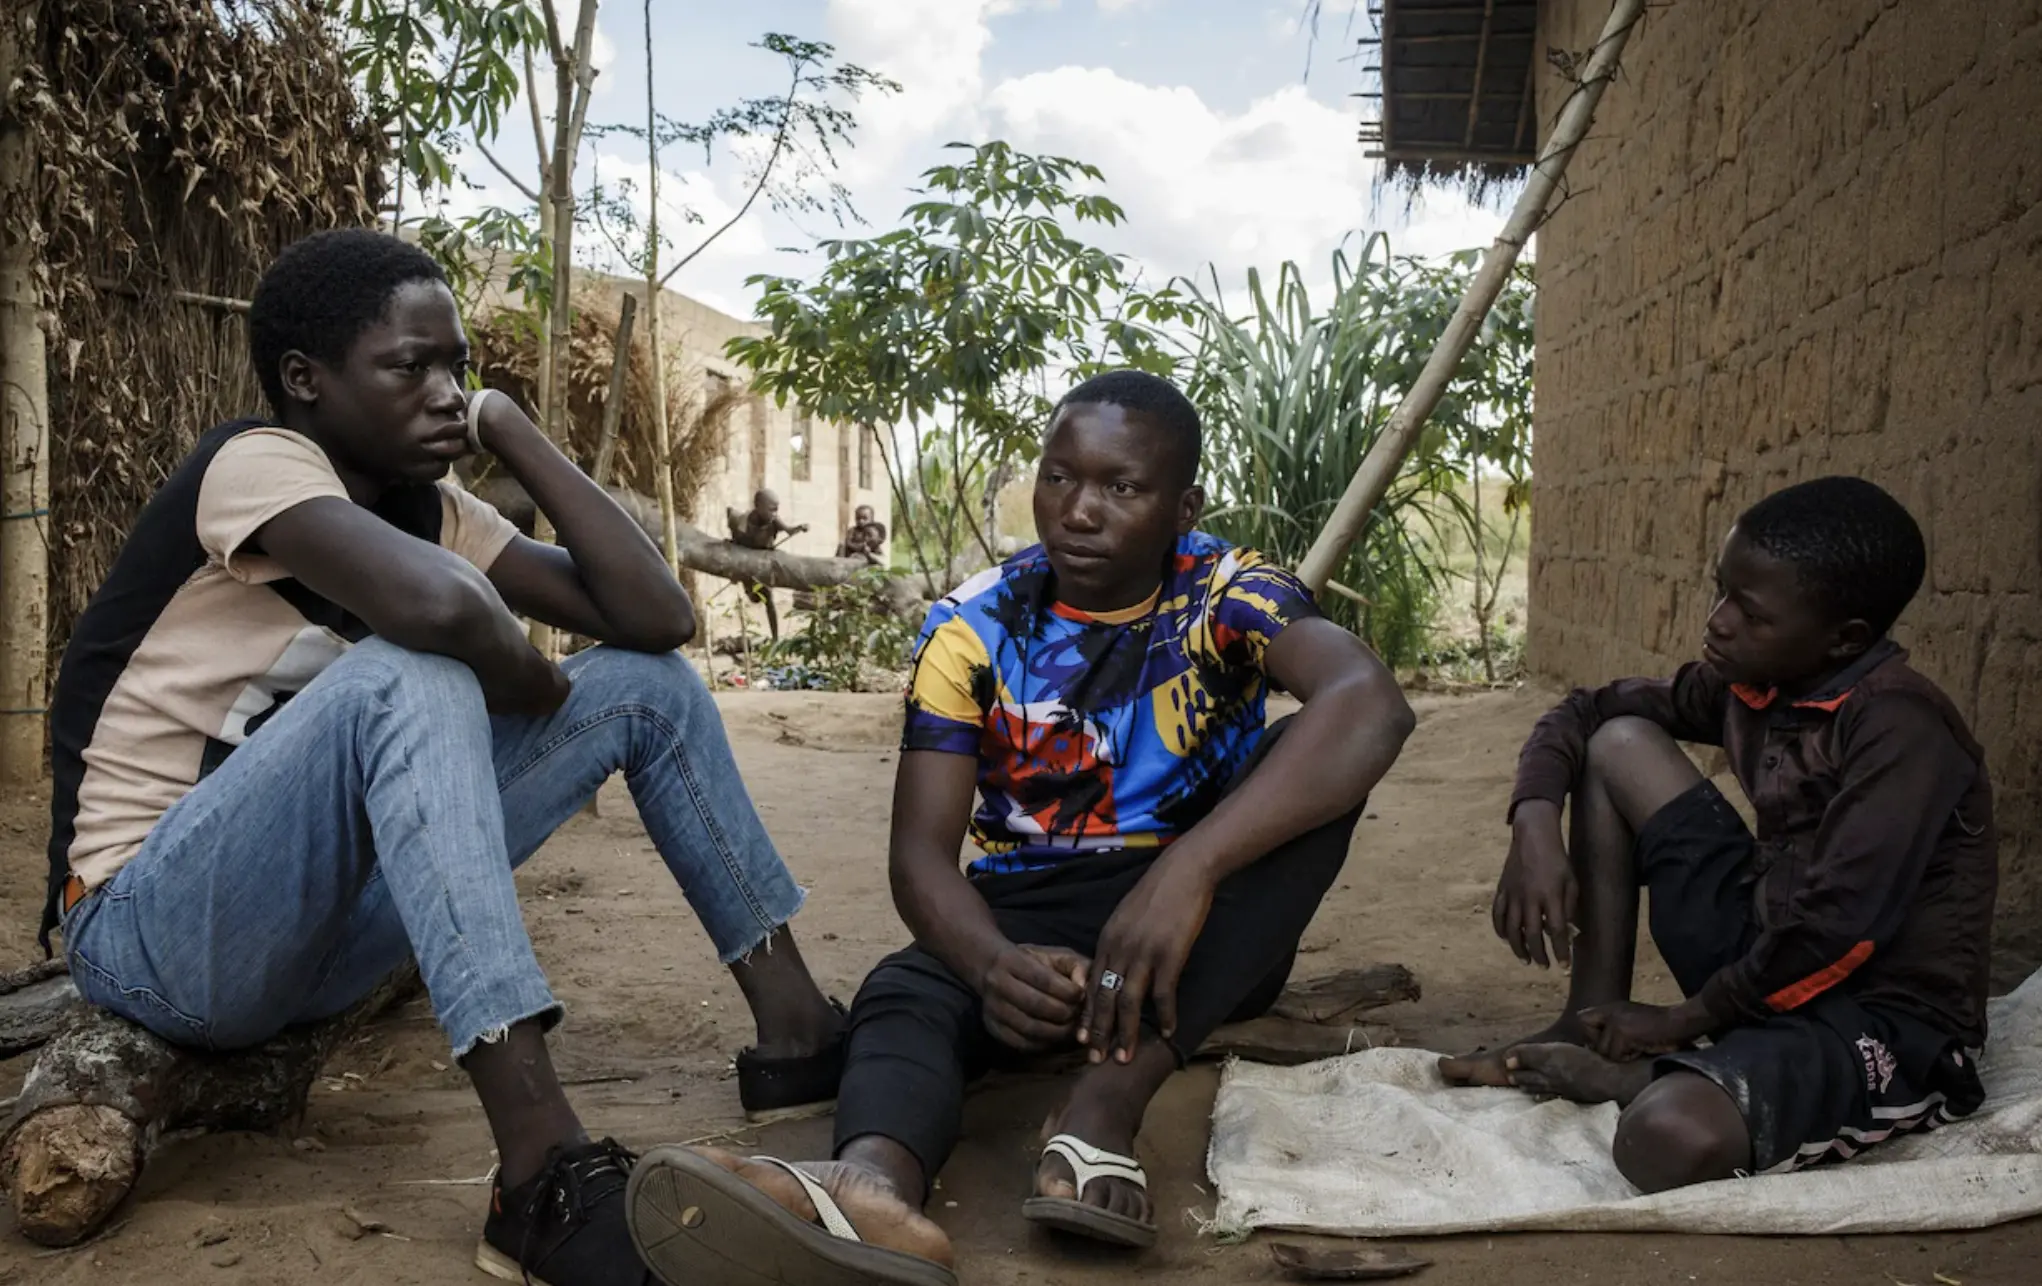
x=872, y=1205
x=1491, y=1067
x=1573, y=1072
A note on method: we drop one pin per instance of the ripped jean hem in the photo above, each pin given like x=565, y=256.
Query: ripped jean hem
x=547, y=1015
x=763, y=931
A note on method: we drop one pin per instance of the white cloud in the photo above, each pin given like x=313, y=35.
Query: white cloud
x=1122, y=6
x=602, y=54
x=935, y=49
x=1282, y=179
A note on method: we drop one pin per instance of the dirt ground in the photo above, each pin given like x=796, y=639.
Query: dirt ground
x=394, y=1136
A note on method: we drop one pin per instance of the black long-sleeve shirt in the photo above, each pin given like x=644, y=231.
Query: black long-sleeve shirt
x=1876, y=844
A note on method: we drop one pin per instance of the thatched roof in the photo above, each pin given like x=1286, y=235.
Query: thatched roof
x=507, y=357
x=1455, y=85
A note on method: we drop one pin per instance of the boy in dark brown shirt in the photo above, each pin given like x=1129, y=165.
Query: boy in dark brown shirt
x=1836, y=962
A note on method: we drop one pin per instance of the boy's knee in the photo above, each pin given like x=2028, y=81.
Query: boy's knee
x=910, y=980
x=1683, y=1130
x=409, y=677
x=1618, y=741
x=657, y=678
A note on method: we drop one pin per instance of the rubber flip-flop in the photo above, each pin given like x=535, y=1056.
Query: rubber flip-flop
x=1072, y=1215
x=694, y=1223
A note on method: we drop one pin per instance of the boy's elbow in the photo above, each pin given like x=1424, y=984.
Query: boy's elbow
x=1400, y=717
x=668, y=630
x=447, y=619
x=1379, y=703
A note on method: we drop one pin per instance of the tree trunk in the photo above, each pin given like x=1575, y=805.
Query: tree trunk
x=35, y=1004
x=24, y=433
x=662, y=440
x=574, y=80
x=662, y=432
x=102, y=1095
x=613, y=408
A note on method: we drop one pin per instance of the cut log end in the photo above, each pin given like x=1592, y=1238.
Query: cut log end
x=68, y=1168
x=105, y=1091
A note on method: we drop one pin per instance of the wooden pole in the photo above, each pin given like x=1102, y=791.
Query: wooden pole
x=24, y=430
x=1373, y=478
x=662, y=432
x=613, y=409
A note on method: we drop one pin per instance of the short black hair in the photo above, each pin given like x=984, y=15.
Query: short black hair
x=1855, y=548
x=322, y=293
x=1153, y=396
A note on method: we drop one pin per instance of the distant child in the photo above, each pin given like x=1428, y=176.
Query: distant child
x=866, y=537
x=1837, y=962
x=760, y=528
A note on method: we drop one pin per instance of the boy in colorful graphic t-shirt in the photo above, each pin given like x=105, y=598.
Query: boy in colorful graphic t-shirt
x=1150, y=854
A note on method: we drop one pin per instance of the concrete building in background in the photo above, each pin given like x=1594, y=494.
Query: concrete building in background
x=821, y=470
x=1801, y=239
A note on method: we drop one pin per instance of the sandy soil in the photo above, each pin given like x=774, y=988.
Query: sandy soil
x=393, y=1135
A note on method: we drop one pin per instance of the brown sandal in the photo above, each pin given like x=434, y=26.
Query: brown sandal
x=693, y=1221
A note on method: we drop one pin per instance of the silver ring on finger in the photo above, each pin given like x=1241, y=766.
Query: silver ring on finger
x=1110, y=981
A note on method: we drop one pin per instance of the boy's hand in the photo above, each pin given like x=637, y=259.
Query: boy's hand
x=1535, y=897
x=1627, y=1030
x=537, y=689
x=1144, y=947
x=1032, y=996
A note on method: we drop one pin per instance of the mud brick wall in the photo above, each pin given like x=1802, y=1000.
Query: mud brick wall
x=1804, y=238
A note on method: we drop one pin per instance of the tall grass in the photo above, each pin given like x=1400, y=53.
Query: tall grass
x=1293, y=397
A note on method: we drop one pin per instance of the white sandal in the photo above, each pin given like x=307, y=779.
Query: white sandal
x=1073, y=1215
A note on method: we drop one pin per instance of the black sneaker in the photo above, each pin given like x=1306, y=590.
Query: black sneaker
x=565, y=1226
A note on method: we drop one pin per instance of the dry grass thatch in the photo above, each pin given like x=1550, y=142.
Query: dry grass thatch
x=507, y=355
x=182, y=143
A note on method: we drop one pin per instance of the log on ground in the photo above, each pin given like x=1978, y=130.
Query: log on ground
x=35, y=1004
x=105, y=1091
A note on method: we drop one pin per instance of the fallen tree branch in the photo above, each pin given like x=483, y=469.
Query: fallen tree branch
x=105, y=1091
x=719, y=558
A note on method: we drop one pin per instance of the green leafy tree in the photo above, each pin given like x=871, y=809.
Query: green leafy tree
x=951, y=326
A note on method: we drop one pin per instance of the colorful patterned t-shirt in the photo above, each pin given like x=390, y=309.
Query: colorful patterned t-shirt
x=1099, y=732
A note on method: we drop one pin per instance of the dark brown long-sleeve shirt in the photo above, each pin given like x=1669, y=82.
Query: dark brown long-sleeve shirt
x=1877, y=854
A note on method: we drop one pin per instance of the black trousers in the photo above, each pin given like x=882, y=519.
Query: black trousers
x=917, y=1037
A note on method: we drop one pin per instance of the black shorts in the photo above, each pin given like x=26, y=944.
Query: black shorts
x=1823, y=1082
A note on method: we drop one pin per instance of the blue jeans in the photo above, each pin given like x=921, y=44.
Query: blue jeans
x=378, y=817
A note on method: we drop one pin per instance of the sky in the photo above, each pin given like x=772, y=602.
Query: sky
x=1223, y=152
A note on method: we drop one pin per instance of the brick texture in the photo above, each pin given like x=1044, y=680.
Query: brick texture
x=1803, y=239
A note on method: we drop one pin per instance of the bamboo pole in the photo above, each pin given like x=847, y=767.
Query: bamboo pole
x=24, y=432
x=1379, y=468
x=613, y=408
